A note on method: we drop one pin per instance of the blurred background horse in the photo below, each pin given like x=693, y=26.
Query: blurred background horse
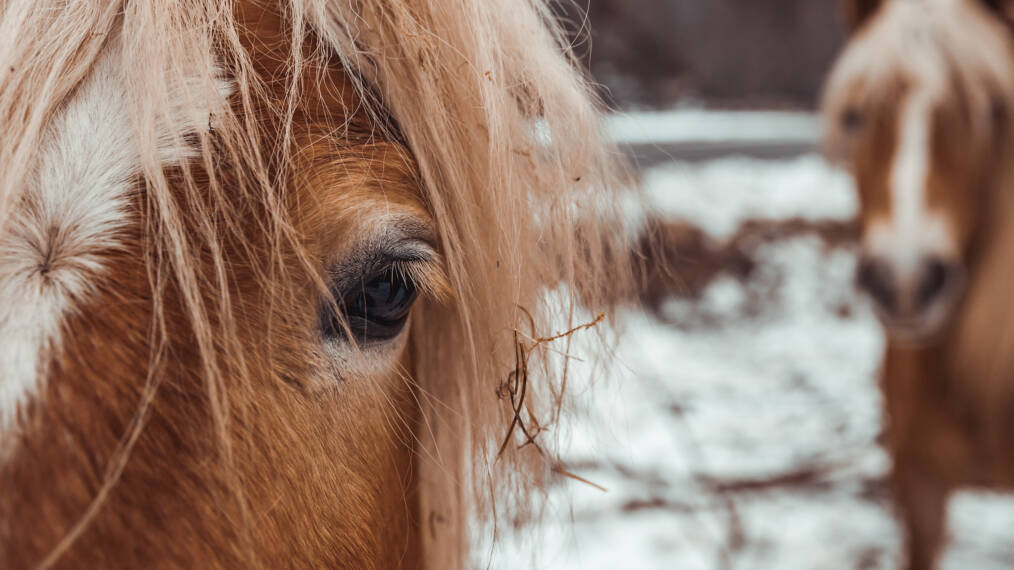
x=272, y=277
x=919, y=108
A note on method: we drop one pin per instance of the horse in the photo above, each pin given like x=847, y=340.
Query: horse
x=919, y=109
x=280, y=280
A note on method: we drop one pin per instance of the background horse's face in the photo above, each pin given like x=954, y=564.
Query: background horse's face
x=917, y=108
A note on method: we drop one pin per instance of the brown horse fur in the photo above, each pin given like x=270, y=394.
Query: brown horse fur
x=950, y=396
x=187, y=413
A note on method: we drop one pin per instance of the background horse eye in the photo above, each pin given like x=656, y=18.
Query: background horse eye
x=851, y=119
x=376, y=309
x=998, y=113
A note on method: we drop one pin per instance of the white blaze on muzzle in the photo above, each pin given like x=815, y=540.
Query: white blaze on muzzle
x=912, y=233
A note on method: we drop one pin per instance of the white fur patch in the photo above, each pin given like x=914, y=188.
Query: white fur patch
x=73, y=212
x=913, y=233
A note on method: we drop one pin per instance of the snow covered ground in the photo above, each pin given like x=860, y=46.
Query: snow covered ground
x=739, y=430
x=702, y=126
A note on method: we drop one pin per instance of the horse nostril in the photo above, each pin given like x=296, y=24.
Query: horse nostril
x=933, y=282
x=877, y=280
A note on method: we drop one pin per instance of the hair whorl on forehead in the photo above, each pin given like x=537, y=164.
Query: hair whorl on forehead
x=514, y=169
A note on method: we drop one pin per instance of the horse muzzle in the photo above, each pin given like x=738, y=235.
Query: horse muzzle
x=915, y=303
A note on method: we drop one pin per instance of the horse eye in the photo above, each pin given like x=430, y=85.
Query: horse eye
x=851, y=119
x=998, y=112
x=376, y=309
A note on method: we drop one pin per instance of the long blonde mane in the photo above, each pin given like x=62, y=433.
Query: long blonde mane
x=514, y=167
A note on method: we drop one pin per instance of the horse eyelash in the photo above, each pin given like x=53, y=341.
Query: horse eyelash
x=428, y=277
x=426, y=274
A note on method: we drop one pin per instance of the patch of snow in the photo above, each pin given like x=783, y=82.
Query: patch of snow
x=980, y=531
x=702, y=126
x=754, y=382
x=721, y=194
x=745, y=399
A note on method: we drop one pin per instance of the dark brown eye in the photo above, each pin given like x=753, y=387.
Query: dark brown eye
x=998, y=113
x=851, y=119
x=375, y=309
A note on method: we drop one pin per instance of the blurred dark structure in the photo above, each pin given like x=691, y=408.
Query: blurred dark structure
x=724, y=53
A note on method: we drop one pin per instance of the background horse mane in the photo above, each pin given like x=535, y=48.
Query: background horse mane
x=509, y=153
x=916, y=39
